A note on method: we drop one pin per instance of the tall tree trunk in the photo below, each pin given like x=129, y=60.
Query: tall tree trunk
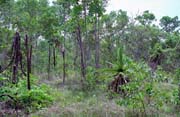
x=79, y=39
x=16, y=57
x=49, y=61
x=62, y=52
x=28, y=60
x=64, y=44
x=54, y=56
x=97, y=44
x=64, y=62
x=179, y=94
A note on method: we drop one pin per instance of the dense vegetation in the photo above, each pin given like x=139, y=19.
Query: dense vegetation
x=72, y=58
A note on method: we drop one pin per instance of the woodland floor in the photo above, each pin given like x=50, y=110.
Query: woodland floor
x=71, y=101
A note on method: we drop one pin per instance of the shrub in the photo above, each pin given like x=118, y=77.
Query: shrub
x=22, y=98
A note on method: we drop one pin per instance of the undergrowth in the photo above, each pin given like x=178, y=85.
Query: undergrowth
x=17, y=96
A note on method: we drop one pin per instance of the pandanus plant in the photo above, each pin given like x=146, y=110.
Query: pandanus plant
x=118, y=65
x=118, y=72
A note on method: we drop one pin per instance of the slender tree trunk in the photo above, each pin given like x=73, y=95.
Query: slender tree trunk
x=179, y=95
x=79, y=38
x=54, y=56
x=97, y=46
x=64, y=62
x=28, y=60
x=63, y=48
x=62, y=52
x=49, y=61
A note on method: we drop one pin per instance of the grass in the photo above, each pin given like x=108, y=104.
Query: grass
x=71, y=101
x=90, y=107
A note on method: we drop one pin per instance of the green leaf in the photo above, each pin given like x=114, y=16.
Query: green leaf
x=3, y=78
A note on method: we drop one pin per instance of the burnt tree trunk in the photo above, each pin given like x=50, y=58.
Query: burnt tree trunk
x=16, y=57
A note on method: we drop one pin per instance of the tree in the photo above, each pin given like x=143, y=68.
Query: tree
x=146, y=18
x=49, y=23
x=169, y=24
x=96, y=10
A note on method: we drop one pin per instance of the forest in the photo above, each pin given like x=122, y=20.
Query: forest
x=70, y=58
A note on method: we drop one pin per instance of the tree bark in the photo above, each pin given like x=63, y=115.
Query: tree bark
x=28, y=60
x=63, y=50
x=64, y=63
x=54, y=56
x=17, y=57
x=49, y=61
x=79, y=39
x=179, y=94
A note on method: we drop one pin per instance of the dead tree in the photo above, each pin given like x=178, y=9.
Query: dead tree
x=17, y=57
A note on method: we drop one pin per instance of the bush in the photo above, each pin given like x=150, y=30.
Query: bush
x=145, y=89
x=91, y=79
x=22, y=98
